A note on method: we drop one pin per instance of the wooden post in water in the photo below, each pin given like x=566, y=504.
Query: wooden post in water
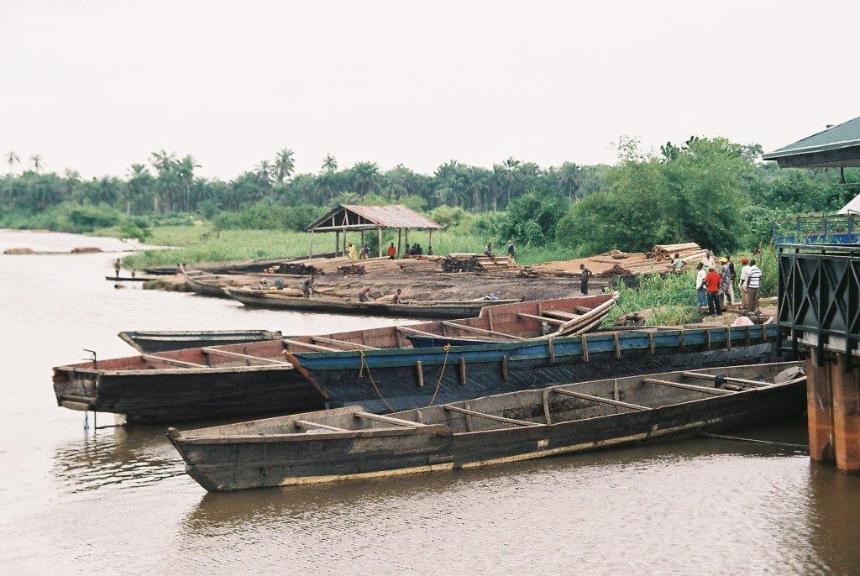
x=833, y=410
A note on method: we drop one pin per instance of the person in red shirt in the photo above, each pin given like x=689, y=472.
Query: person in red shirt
x=712, y=284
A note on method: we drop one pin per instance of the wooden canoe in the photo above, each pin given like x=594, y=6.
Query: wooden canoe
x=349, y=443
x=200, y=286
x=441, y=309
x=242, y=380
x=167, y=340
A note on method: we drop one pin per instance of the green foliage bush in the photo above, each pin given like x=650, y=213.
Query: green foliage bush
x=269, y=216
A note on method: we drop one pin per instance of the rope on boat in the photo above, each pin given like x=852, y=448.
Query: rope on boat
x=446, y=348
x=370, y=377
x=364, y=366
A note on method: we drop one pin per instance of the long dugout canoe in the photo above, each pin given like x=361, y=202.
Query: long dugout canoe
x=349, y=443
x=149, y=341
x=242, y=380
x=401, y=379
x=438, y=310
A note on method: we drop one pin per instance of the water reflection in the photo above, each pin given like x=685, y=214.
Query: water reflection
x=123, y=457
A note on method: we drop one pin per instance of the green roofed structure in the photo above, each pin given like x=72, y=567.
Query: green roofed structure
x=837, y=146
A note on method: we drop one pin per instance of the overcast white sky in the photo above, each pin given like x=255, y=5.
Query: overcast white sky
x=98, y=85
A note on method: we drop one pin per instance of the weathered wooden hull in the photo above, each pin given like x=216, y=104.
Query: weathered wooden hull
x=260, y=454
x=438, y=311
x=402, y=379
x=171, y=396
x=165, y=341
x=219, y=466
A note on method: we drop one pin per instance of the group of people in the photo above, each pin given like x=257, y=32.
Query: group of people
x=512, y=253
x=414, y=250
x=715, y=283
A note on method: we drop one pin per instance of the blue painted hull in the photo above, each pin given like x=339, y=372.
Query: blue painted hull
x=400, y=379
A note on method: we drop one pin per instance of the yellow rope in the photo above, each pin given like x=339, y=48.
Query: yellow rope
x=364, y=366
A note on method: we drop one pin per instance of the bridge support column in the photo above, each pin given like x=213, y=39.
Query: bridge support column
x=833, y=402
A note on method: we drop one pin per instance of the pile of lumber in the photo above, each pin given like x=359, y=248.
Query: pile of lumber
x=687, y=251
x=615, y=263
x=468, y=262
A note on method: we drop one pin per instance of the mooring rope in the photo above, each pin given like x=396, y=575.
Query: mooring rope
x=365, y=366
x=446, y=348
x=370, y=377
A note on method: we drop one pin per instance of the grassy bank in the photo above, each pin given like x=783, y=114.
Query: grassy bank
x=203, y=243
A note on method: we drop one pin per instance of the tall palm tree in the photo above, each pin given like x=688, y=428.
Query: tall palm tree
x=264, y=171
x=364, y=176
x=36, y=160
x=285, y=165
x=511, y=176
x=329, y=163
x=12, y=158
x=185, y=168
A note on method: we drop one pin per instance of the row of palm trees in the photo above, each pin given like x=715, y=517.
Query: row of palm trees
x=168, y=183
x=13, y=158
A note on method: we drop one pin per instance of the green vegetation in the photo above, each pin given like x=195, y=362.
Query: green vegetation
x=669, y=300
x=708, y=190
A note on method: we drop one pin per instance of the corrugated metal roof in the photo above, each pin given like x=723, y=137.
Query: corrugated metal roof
x=392, y=216
x=842, y=135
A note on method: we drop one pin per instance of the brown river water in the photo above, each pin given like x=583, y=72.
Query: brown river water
x=116, y=499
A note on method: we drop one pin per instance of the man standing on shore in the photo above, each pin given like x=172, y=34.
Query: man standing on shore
x=753, y=283
x=745, y=271
x=712, y=283
x=701, y=294
x=512, y=253
x=584, y=275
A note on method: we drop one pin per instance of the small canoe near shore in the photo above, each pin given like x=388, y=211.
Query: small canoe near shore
x=417, y=309
x=350, y=443
x=148, y=342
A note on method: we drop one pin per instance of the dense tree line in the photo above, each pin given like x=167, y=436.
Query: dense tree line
x=709, y=190
x=167, y=184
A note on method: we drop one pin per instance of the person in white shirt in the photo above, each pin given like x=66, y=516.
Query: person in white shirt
x=701, y=294
x=753, y=283
x=742, y=281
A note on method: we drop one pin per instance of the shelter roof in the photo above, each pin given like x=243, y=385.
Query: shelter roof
x=356, y=217
x=836, y=146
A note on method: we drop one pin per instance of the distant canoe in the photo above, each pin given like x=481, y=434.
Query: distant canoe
x=201, y=286
x=349, y=443
x=129, y=278
x=163, y=341
x=435, y=309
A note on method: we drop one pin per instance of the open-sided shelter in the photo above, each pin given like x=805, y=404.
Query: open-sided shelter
x=345, y=218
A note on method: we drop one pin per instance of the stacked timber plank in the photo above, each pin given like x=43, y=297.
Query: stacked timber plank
x=469, y=262
x=615, y=263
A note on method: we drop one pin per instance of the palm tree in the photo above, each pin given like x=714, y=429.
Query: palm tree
x=364, y=176
x=569, y=179
x=36, y=159
x=511, y=176
x=185, y=169
x=284, y=166
x=12, y=158
x=264, y=171
x=329, y=163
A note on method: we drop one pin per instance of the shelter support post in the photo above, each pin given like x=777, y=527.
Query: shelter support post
x=310, y=244
x=399, y=235
x=429, y=240
x=379, y=232
x=336, y=242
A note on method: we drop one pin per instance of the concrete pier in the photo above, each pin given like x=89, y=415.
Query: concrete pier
x=833, y=399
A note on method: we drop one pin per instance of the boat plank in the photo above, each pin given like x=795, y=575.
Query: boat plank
x=705, y=389
x=600, y=399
